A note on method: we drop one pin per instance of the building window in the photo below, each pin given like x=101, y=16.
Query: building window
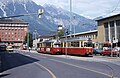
x=117, y=22
x=106, y=25
x=111, y=23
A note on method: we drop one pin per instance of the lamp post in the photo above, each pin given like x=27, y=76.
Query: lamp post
x=66, y=33
x=74, y=27
x=70, y=17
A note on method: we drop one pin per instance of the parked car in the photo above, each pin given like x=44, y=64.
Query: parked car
x=110, y=51
x=9, y=48
x=116, y=50
x=97, y=51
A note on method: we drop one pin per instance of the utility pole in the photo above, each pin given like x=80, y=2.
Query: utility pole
x=28, y=39
x=70, y=17
x=74, y=27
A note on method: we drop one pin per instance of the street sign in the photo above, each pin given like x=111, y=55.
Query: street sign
x=115, y=41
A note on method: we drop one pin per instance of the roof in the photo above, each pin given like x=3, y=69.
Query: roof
x=9, y=21
x=44, y=36
x=74, y=39
x=107, y=17
x=92, y=31
x=53, y=40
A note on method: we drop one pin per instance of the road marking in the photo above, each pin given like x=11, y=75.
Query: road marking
x=53, y=76
x=27, y=55
x=81, y=67
x=51, y=73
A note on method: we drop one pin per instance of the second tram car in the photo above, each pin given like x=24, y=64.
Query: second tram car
x=77, y=46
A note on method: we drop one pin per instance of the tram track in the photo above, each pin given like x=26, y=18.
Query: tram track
x=111, y=69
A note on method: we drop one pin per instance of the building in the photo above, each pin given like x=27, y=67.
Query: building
x=88, y=34
x=109, y=29
x=13, y=31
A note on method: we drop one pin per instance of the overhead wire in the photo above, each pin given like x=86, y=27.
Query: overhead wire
x=115, y=8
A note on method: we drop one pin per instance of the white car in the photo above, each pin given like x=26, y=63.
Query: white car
x=9, y=48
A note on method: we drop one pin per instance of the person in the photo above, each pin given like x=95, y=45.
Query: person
x=29, y=49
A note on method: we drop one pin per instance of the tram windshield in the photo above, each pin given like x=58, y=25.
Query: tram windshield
x=56, y=45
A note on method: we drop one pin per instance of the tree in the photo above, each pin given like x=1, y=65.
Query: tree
x=28, y=39
x=60, y=33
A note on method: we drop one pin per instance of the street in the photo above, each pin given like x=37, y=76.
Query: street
x=24, y=64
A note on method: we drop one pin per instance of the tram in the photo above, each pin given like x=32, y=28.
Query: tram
x=77, y=46
x=72, y=46
x=50, y=46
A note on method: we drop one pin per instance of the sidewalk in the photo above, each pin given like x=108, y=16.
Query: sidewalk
x=114, y=60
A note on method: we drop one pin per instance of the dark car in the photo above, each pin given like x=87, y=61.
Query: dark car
x=97, y=51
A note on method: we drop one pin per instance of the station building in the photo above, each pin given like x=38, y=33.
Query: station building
x=13, y=31
x=109, y=29
x=88, y=34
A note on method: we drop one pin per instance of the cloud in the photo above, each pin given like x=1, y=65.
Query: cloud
x=89, y=8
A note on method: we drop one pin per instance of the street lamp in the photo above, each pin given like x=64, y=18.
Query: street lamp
x=40, y=12
x=74, y=26
x=70, y=17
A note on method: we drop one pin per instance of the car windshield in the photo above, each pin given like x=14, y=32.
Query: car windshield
x=9, y=47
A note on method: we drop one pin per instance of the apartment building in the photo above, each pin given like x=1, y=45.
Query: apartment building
x=13, y=31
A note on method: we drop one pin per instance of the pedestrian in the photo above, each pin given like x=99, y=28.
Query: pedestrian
x=29, y=49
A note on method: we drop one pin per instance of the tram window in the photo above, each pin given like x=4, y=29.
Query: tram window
x=56, y=45
x=72, y=44
x=75, y=44
x=48, y=44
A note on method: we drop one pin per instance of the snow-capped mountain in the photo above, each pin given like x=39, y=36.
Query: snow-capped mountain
x=58, y=14
x=52, y=16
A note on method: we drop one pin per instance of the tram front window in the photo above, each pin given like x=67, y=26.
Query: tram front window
x=56, y=45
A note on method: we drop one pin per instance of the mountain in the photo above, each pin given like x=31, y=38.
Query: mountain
x=58, y=14
x=52, y=16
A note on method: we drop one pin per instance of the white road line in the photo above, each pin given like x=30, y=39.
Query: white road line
x=51, y=73
x=69, y=65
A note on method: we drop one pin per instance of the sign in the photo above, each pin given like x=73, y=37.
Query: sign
x=115, y=41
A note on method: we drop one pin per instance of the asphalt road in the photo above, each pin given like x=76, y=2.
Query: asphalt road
x=35, y=65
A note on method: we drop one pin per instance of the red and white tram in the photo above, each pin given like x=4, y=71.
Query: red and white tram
x=50, y=46
x=73, y=46
x=77, y=46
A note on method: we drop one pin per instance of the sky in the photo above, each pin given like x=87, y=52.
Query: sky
x=87, y=8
